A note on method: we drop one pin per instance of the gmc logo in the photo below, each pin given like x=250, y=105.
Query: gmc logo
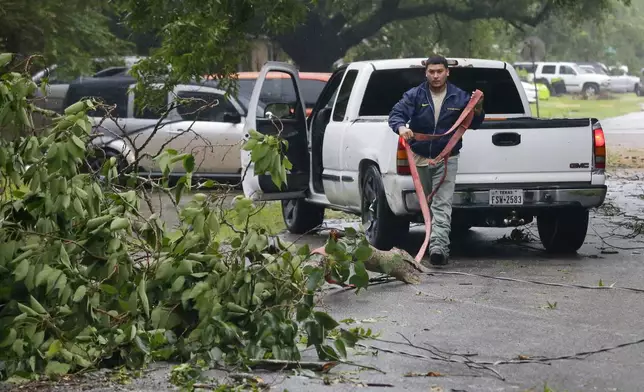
x=580, y=165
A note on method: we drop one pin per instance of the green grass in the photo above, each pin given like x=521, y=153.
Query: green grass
x=270, y=218
x=574, y=107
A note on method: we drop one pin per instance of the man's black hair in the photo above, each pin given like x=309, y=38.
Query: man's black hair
x=435, y=59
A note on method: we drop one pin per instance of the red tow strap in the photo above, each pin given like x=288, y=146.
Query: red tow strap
x=461, y=124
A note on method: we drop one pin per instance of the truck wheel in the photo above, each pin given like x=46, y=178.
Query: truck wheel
x=383, y=228
x=638, y=90
x=563, y=231
x=590, y=89
x=301, y=216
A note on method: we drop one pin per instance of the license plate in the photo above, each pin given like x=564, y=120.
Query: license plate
x=506, y=197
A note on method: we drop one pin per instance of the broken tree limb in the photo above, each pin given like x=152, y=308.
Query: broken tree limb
x=277, y=364
x=396, y=263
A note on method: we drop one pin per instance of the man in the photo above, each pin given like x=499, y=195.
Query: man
x=432, y=108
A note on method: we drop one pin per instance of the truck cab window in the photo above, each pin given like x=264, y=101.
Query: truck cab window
x=386, y=88
x=342, y=99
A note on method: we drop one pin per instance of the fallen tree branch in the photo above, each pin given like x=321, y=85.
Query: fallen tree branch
x=324, y=367
x=436, y=357
x=444, y=356
x=395, y=263
x=569, y=285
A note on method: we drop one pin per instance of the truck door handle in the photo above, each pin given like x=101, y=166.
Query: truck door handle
x=505, y=139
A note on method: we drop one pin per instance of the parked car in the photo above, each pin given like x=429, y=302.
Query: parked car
x=552, y=169
x=58, y=80
x=623, y=83
x=576, y=80
x=531, y=92
x=275, y=89
x=212, y=135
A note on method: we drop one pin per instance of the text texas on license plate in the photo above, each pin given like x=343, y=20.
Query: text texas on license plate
x=506, y=196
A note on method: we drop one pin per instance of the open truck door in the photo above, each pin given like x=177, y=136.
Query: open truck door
x=274, y=116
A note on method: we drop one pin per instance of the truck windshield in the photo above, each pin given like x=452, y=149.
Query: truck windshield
x=386, y=88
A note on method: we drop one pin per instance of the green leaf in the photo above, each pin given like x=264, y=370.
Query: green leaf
x=74, y=108
x=314, y=278
x=339, y=345
x=79, y=143
x=119, y=224
x=79, y=294
x=328, y=353
x=55, y=368
x=35, y=305
x=325, y=320
x=9, y=339
x=141, y=290
x=108, y=289
x=18, y=347
x=189, y=163
x=26, y=309
x=5, y=58
x=250, y=144
x=21, y=270
x=303, y=311
x=43, y=275
x=361, y=277
x=54, y=348
x=178, y=284
x=64, y=257
x=38, y=338
x=363, y=252
x=349, y=338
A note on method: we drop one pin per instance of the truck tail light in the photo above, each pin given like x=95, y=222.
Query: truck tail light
x=402, y=163
x=599, y=146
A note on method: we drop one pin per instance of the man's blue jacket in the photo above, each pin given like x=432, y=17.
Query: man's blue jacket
x=417, y=108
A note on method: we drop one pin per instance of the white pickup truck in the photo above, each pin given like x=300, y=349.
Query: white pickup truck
x=512, y=169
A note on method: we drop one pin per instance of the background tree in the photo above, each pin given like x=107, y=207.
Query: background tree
x=332, y=27
x=67, y=32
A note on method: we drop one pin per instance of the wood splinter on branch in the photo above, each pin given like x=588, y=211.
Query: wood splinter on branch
x=396, y=263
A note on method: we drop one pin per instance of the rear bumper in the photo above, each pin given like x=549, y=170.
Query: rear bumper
x=541, y=197
x=403, y=200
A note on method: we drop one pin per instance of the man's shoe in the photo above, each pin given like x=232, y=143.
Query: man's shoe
x=437, y=258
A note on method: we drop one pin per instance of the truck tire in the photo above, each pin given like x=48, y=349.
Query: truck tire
x=590, y=89
x=383, y=228
x=563, y=231
x=300, y=216
x=638, y=90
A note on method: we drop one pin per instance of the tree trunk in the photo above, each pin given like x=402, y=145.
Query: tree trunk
x=313, y=46
x=396, y=263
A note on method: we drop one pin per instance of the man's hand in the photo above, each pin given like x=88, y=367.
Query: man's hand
x=405, y=132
